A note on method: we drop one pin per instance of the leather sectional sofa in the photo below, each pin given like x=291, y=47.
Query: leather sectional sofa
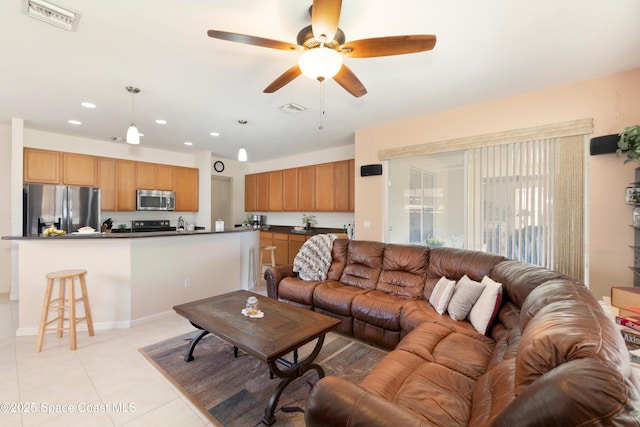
x=549, y=357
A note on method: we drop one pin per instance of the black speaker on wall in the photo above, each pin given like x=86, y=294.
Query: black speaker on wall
x=369, y=170
x=604, y=144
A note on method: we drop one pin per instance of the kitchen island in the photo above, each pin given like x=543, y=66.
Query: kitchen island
x=135, y=277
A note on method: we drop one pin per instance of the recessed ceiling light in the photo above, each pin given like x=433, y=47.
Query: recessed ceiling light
x=215, y=134
x=161, y=122
x=88, y=105
x=188, y=143
x=75, y=122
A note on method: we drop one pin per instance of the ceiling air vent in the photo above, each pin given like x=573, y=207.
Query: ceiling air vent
x=52, y=14
x=292, y=108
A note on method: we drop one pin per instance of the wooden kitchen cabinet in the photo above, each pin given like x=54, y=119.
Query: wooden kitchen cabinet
x=325, y=187
x=79, y=169
x=281, y=242
x=306, y=188
x=262, y=191
x=290, y=190
x=275, y=199
x=266, y=238
x=295, y=243
x=164, y=177
x=343, y=185
x=126, y=185
x=107, y=181
x=41, y=166
x=152, y=176
x=250, y=193
x=185, y=185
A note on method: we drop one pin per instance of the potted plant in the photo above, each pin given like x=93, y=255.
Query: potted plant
x=629, y=142
x=309, y=221
x=434, y=242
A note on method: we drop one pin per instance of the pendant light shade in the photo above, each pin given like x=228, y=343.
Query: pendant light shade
x=320, y=63
x=133, y=136
x=242, y=155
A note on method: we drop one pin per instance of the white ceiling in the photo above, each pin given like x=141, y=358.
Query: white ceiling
x=486, y=49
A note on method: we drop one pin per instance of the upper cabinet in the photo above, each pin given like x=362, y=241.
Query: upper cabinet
x=41, y=166
x=152, y=176
x=185, y=185
x=250, y=193
x=290, y=190
x=107, y=181
x=126, y=185
x=118, y=179
x=79, y=169
x=326, y=187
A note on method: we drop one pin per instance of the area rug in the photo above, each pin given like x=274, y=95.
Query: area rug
x=234, y=391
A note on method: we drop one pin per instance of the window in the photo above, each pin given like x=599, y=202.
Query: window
x=523, y=199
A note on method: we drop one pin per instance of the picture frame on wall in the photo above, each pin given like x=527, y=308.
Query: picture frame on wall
x=632, y=196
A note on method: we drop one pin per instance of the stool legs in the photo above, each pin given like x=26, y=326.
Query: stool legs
x=65, y=302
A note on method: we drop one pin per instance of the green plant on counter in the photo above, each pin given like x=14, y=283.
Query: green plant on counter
x=629, y=142
x=309, y=220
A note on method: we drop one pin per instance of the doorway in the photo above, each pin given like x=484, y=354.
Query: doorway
x=221, y=200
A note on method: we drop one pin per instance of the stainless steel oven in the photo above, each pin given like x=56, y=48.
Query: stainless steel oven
x=155, y=200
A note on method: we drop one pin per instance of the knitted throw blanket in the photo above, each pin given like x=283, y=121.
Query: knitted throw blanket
x=313, y=260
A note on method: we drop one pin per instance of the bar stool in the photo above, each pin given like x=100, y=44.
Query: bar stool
x=62, y=303
x=271, y=249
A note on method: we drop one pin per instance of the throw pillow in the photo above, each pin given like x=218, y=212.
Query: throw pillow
x=486, y=308
x=466, y=293
x=441, y=294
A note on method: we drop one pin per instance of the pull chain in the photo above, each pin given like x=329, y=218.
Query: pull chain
x=321, y=105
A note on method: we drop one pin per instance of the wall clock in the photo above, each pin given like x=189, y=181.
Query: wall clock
x=218, y=166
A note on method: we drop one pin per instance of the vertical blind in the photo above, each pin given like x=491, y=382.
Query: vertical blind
x=525, y=202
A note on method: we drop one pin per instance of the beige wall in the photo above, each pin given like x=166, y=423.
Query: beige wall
x=612, y=102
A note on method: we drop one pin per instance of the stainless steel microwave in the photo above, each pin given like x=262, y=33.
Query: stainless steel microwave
x=155, y=200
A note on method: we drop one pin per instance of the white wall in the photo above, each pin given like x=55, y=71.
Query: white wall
x=5, y=210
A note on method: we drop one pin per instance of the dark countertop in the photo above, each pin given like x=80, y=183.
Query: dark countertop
x=289, y=230
x=129, y=235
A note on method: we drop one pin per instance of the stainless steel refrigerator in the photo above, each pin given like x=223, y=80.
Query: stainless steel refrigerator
x=68, y=207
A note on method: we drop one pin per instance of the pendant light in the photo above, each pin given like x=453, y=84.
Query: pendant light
x=133, y=136
x=242, y=153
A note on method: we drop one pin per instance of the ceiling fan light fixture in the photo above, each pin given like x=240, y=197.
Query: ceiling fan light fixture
x=242, y=154
x=320, y=63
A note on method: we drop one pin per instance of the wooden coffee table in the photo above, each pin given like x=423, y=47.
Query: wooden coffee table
x=283, y=329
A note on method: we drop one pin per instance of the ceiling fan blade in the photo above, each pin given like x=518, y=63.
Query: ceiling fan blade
x=350, y=82
x=387, y=46
x=325, y=15
x=252, y=40
x=284, y=78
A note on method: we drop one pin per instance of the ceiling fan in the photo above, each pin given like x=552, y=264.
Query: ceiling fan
x=323, y=45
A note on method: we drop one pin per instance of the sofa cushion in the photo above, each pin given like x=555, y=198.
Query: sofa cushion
x=492, y=393
x=519, y=279
x=297, y=290
x=564, y=331
x=379, y=309
x=432, y=373
x=581, y=392
x=403, y=270
x=465, y=294
x=364, y=263
x=338, y=259
x=442, y=294
x=336, y=297
x=415, y=312
x=486, y=307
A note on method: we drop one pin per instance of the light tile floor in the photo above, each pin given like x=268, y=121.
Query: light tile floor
x=105, y=382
